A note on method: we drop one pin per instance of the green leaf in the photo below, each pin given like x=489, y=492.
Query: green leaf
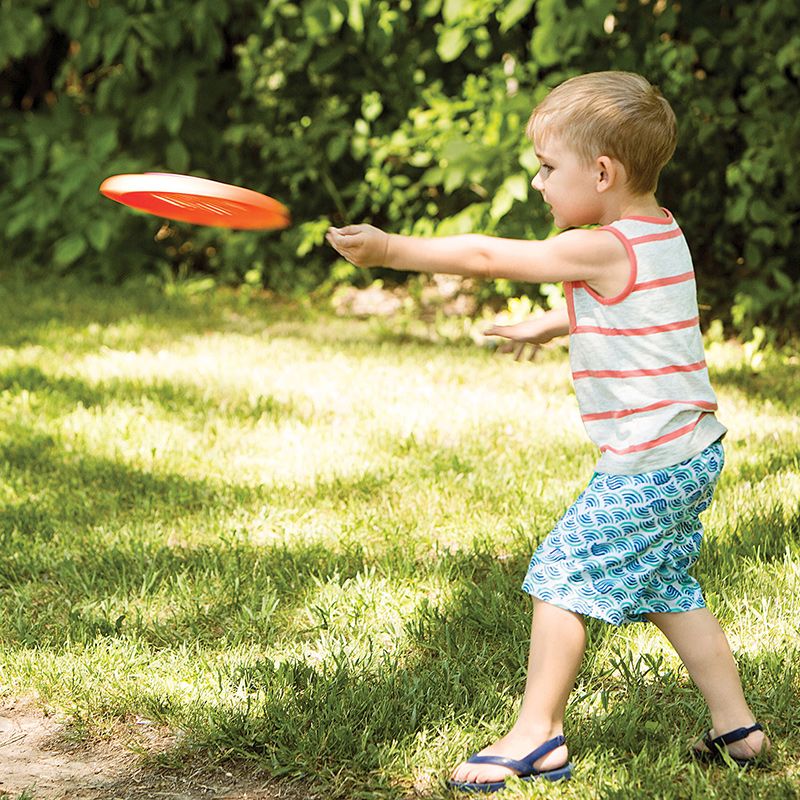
x=457, y=148
x=420, y=158
x=517, y=186
x=336, y=147
x=371, y=106
x=453, y=178
x=763, y=235
x=103, y=145
x=760, y=211
x=737, y=209
x=784, y=282
x=113, y=43
x=329, y=57
x=10, y=146
x=455, y=10
x=451, y=44
x=512, y=13
x=501, y=205
x=514, y=187
x=355, y=15
x=321, y=19
x=177, y=155
x=69, y=249
x=544, y=51
x=99, y=234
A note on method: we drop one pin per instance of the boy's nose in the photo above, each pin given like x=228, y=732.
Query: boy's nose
x=536, y=183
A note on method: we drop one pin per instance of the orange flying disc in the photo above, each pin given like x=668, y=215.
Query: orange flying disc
x=196, y=200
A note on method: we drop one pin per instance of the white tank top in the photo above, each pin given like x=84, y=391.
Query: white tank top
x=637, y=359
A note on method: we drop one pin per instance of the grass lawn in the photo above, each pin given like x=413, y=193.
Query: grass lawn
x=298, y=540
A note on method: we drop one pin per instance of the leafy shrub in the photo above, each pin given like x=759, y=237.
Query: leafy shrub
x=409, y=114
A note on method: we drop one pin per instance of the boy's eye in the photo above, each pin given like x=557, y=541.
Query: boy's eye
x=545, y=170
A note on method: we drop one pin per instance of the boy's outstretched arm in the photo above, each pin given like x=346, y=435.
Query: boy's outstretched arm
x=570, y=256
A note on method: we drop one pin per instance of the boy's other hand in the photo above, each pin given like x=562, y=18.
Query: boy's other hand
x=528, y=335
x=361, y=245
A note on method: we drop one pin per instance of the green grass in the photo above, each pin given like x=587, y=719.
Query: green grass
x=299, y=541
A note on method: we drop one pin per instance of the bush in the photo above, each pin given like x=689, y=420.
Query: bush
x=407, y=114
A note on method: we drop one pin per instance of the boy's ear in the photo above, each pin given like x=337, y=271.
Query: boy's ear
x=609, y=173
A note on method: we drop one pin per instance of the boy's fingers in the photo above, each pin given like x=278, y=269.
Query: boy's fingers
x=535, y=348
x=343, y=236
x=494, y=330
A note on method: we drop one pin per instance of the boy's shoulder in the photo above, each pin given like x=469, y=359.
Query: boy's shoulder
x=592, y=245
x=604, y=255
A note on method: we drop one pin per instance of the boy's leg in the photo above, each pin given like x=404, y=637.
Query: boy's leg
x=701, y=643
x=558, y=639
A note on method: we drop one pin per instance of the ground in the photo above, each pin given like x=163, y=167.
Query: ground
x=233, y=527
x=41, y=761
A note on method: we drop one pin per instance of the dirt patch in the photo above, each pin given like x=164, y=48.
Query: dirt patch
x=38, y=758
x=450, y=295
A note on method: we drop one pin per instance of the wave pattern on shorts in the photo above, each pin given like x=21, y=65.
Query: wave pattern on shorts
x=625, y=546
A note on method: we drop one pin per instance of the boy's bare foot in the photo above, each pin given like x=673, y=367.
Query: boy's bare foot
x=514, y=745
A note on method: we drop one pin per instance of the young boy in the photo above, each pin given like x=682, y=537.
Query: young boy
x=622, y=552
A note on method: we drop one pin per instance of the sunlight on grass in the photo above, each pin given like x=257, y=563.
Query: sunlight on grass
x=300, y=540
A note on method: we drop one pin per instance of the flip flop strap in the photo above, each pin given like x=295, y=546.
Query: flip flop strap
x=731, y=736
x=522, y=765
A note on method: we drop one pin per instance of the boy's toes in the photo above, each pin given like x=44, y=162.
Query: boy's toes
x=479, y=773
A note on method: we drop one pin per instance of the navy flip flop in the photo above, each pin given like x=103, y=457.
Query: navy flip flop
x=523, y=767
x=717, y=746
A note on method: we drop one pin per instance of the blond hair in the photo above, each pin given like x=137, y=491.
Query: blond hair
x=616, y=114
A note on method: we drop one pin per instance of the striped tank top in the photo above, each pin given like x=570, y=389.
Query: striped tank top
x=637, y=359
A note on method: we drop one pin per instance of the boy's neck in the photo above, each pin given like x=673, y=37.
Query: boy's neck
x=644, y=205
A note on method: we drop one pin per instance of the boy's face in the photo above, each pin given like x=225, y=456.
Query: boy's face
x=567, y=184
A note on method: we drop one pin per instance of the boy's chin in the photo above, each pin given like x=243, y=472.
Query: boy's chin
x=574, y=221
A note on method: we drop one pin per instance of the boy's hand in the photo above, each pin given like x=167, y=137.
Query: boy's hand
x=361, y=245
x=534, y=332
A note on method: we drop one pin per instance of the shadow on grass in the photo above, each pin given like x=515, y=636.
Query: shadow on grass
x=182, y=398
x=779, y=383
x=81, y=491
x=38, y=311
x=61, y=311
x=93, y=532
x=762, y=536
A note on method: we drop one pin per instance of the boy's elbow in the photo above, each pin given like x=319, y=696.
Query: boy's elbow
x=481, y=261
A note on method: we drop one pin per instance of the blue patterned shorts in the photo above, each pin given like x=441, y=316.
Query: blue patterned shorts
x=624, y=547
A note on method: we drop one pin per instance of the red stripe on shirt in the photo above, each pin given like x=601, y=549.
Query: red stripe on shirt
x=684, y=276
x=671, y=326
x=656, y=237
x=704, y=404
x=667, y=219
x=637, y=373
x=668, y=437
x=568, y=296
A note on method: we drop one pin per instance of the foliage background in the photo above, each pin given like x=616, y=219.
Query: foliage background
x=408, y=114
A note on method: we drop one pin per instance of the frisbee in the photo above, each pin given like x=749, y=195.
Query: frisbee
x=197, y=200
